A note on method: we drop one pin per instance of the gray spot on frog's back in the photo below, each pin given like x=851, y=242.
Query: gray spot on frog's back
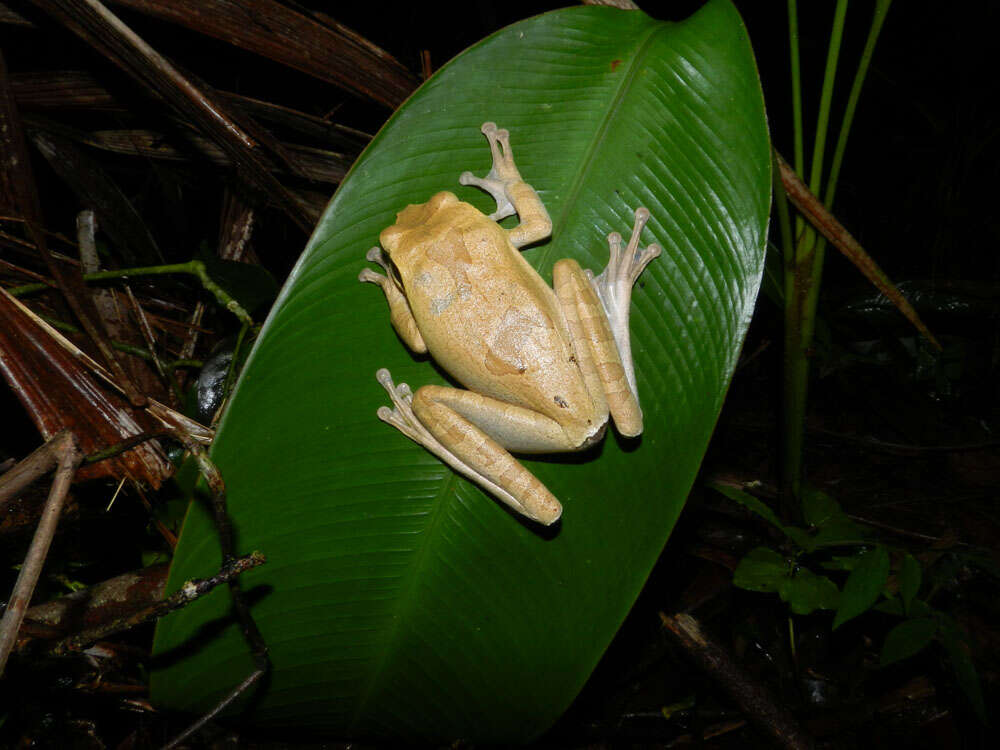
x=441, y=304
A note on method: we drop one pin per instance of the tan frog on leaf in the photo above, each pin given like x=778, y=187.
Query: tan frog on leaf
x=544, y=368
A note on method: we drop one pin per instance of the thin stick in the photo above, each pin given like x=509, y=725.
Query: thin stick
x=127, y=444
x=222, y=705
x=168, y=365
x=170, y=418
x=251, y=633
x=187, y=593
x=227, y=541
x=146, y=328
x=40, y=461
x=752, y=697
x=69, y=457
x=194, y=267
x=827, y=224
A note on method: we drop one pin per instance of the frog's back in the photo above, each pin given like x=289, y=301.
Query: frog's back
x=485, y=314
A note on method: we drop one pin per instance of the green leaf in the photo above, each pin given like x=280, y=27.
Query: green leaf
x=818, y=508
x=906, y=639
x=762, y=569
x=834, y=528
x=841, y=562
x=839, y=532
x=821, y=511
x=894, y=606
x=806, y=592
x=863, y=586
x=765, y=570
x=762, y=509
x=961, y=663
x=249, y=284
x=750, y=502
x=399, y=600
x=909, y=580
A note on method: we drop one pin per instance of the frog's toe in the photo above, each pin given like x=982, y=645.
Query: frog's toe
x=625, y=265
x=504, y=168
x=375, y=255
x=502, y=173
x=401, y=416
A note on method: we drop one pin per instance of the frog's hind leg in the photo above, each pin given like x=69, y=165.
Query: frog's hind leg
x=434, y=418
x=510, y=191
x=594, y=347
x=614, y=287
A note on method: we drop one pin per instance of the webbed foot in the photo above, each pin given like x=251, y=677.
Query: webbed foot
x=503, y=173
x=401, y=416
x=376, y=255
x=615, y=282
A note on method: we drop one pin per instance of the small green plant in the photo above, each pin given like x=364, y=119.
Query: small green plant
x=832, y=541
x=803, y=249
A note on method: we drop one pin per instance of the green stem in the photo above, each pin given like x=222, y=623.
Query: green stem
x=814, y=249
x=792, y=432
x=797, y=129
x=804, y=269
x=793, y=46
x=793, y=417
x=878, y=18
x=195, y=268
x=784, y=225
x=823, y=119
x=791, y=640
x=61, y=325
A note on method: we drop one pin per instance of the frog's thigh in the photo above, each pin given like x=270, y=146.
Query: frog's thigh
x=514, y=427
x=475, y=428
x=596, y=351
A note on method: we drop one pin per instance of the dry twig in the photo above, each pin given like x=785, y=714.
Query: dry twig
x=753, y=698
x=68, y=457
x=836, y=233
x=186, y=594
x=103, y=30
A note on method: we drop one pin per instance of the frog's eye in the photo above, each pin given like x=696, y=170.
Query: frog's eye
x=393, y=272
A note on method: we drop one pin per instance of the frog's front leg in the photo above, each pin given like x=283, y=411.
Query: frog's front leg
x=510, y=191
x=400, y=313
x=473, y=433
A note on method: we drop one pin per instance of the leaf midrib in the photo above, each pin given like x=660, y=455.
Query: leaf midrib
x=404, y=601
x=600, y=134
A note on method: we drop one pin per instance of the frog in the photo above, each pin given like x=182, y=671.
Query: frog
x=544, y=369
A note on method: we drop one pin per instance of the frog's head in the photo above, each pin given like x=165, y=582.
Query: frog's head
x=418, y=224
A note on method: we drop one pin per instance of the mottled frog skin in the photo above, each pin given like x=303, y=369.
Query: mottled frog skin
x=544, y=368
